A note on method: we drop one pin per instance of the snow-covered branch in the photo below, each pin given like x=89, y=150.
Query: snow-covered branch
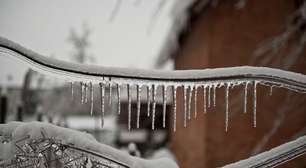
x=275, y=156
x=22, y=143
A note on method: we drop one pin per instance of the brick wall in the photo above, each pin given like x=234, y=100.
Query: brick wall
x=223, y=37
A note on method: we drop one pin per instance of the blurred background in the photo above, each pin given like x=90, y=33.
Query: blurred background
x=166, y=35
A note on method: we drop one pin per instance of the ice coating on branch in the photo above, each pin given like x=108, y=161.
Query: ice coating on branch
x=80, y=72
x=207, y=77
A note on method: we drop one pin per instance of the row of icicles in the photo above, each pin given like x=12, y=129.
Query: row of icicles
x=189, y=92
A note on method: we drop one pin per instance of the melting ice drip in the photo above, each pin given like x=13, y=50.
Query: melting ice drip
x=190, y=92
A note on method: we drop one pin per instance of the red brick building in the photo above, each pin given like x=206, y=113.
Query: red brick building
x=224, y=36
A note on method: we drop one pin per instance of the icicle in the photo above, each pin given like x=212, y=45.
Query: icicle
x=148, y=100
x=138, y=104
x=226, y=106
x=195, y=101
x=102, y=90
x=86, y=92
x=254, y=104
x=118, y=96
x=185, y=106
x=72, y=92
x=164, y=104
x=110, y=94
x=245, y=97
x=204, y=99
x=91, y=98
x=208, y=96
x=271, y=90
x=82, y=93
x=154, y=88
x=189, y=102
x=214, y=95
x=174, y=107
x=129, y=106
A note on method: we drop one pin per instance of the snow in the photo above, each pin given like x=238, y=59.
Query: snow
x=89, y=123
x=275, y=156
x=154, y=79
x=80, y=72
x=78, y=139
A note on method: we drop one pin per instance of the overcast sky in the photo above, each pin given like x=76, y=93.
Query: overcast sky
x=44, y=26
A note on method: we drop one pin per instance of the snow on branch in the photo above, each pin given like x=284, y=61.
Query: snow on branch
x=275, y=156
x=152, y=80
